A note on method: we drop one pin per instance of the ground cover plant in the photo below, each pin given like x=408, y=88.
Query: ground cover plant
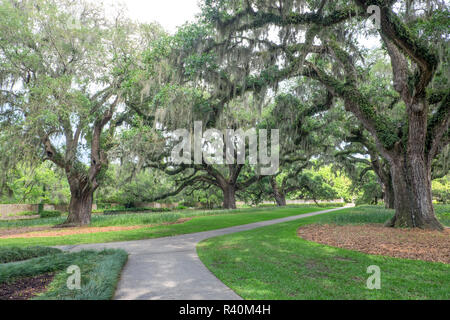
x=13, y=254
x=23, y=213
x=99, y=270
x=50, y=214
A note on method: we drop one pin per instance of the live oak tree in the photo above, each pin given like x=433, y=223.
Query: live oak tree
x=198, y=88
x=359, y=157
x=320, y=39
x=63, y=66
x=356, y=154
x=226, y=91
x=411, y=146
x=302, y=114
x=9, y=162
x=207, y=174
x=126, y=185
x=35, y=184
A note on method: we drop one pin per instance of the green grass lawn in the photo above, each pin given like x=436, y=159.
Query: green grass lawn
x=133, y=219
x=274, y=263
x=202, y=221
x=100, y=271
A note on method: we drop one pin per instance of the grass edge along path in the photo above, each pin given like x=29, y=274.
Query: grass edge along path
x=197, y=224
x=274, y=263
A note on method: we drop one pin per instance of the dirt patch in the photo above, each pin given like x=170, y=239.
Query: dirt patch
x=376, y=239
x=68, y=231
x=46, y=232
x=315, y=265
x=25, y=288
x=12, y=218
x=181, y=220
x=14, y=231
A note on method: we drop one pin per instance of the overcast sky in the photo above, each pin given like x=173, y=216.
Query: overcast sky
x=169, y=13
x=174, y=13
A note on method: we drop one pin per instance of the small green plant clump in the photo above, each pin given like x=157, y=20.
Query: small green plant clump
x=23, y=213
x=50, y=214
x=100, y=271
x=13, y=254
x=129, y=210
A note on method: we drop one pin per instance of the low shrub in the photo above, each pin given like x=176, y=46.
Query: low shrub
x=293, y=205
x=23, y=213
x=360, y=215
x=50, y=214
x=131, y=210
x=332, y=205
x=378, y=214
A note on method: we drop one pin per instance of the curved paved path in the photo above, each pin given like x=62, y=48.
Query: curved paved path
x=170, y=269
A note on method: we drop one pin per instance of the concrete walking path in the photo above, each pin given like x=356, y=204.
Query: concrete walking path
x=170, y=269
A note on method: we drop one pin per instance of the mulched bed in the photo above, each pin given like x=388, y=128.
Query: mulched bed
x=376, y=239
x=25, y=288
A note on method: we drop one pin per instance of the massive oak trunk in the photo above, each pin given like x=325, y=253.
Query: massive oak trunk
x=277, y=193
x=83, y=183
x=411, y=178
x=384, y=175
x=80, y=208
x=389, y=196
x=229, y=196
x=413, y=200
x=410, y=145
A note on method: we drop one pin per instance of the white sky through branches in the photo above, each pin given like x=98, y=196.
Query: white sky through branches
x=170, y=14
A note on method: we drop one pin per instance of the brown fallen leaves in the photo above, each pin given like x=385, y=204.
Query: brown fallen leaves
x=376, y=239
